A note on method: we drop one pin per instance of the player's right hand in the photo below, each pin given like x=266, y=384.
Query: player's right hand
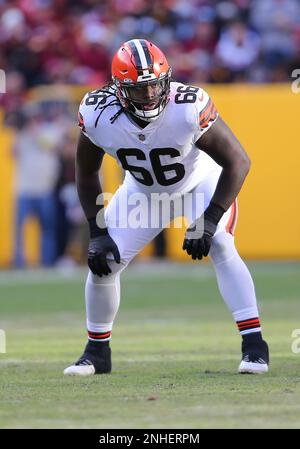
x=99, y=247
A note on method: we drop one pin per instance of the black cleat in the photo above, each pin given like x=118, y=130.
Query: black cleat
x=96, y=359
x=255, y=358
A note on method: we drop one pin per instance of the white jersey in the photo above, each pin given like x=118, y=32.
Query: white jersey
x=162, y=157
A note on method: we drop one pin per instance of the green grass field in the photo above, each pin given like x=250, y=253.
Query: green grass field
x=175, y=352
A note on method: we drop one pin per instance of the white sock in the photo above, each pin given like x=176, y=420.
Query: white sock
x=235, y=283
x=102, y=299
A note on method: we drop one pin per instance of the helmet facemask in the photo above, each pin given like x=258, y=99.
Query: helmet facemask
x=145, y=99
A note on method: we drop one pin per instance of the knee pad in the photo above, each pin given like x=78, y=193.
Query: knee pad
x=222, y=247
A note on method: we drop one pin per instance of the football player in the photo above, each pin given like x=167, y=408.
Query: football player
x=169, y=138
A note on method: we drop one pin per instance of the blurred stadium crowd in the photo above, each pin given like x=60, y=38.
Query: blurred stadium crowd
x=72, y=41
x=59, y=42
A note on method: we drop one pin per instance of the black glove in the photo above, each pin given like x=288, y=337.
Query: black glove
x=198, y=236
x=100, y=245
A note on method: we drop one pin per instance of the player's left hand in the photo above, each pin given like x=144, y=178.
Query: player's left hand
x=99, y=247
x=198, y=238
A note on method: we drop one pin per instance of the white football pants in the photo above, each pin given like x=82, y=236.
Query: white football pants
x=127, y=211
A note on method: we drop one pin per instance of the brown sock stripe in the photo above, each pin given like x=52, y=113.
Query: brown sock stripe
x=99, y=335
x=248, y=324
x=247, y=321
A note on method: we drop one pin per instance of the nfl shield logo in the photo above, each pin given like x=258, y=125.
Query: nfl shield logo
x=142, y=137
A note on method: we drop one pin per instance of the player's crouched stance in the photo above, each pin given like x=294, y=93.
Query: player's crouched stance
x=169, y=138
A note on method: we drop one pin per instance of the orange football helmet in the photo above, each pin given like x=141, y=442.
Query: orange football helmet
x=142, y=76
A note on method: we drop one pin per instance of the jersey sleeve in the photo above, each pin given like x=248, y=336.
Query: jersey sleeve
x=206, y=114
x=86, y=120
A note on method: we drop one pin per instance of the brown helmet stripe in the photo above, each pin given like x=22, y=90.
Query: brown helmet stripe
x=147, y=53
x=135, y=54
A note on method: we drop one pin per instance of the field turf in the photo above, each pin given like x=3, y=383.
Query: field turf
x=175, y=352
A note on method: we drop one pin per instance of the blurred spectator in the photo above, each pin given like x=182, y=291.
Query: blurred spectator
x=278, y=22
x=14, y=98
x=37, y=171
x=72, y=231
x=238, y=49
